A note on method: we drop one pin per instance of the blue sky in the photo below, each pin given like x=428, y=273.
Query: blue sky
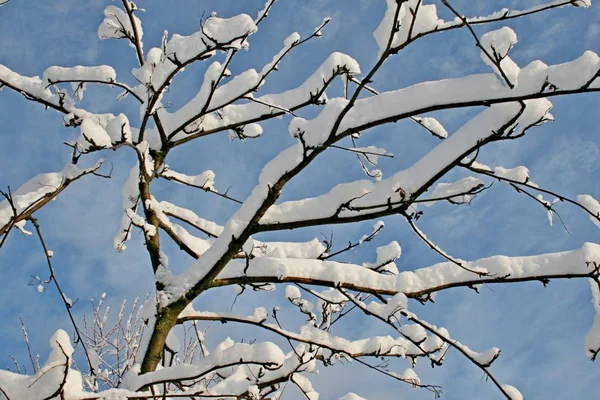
x=540, y=331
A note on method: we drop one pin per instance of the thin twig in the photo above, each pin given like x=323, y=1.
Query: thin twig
x=67, y=303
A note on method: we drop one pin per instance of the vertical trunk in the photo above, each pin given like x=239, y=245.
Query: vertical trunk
x=152, y=242
x=165, y=321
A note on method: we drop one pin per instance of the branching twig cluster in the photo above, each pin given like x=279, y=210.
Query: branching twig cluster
x=137, y=355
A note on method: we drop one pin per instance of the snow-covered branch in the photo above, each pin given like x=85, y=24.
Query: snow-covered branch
x=420, y=282
x=312, y=91
x=36, y=193
x=139, y=356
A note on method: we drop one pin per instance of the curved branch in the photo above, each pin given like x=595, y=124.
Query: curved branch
x=66, y=301
x=137, y=41
x=26, y=211
x=453, y=343
x=437, y=249
x=100, y=82
x=539, y=189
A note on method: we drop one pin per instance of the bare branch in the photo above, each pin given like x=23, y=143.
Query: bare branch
x=202, y=187
x=527, y=184
x=410, y=219
x=66, y=301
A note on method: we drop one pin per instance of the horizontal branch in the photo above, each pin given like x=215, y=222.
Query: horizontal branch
x=100, y=82
x=419, y=283
x=399, y=347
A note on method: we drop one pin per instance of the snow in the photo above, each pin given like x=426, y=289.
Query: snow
x=184, y=49
x=378, y=345
x=236, y=87
x=242, y=114
x=199, y=102
x=144, y=73
x=478, y=165
x=592, y=339
x=92, y=135
x=512, y=392
x=520, y=173
x=283, y=261
x=484, y=359
x=205, y=180
x=116, y=24
x=410, y=180
x=264, y=11
x=20, y=226
x=411, y=376
x=292, y=292
x=419, y=281
x=31, y=85
x=351, y=396
x=574, y=74
x=384, y=345
x=306, y=250
x=50, y=376
x=388, y=310
x=455, y=191
x=172, y=341
x=191, y=218
x=103, y=133
x=505, y=12
x=254, y=392
x=259, y=315
x=426, y=20
x=161, y=64
x=34, y=87
x=386, y=255
x=118, y=129
x=39, y=187
x=497, y=44
x=413, y=332
x=227, y=30
x=102, y=73
x=197, y=245
x=295, y=297
x=433, y=126
x=147, y=165
x=224, y=355
x=129, y=195
x=210, y=99
x=592, y=205
x=306, y=386
x=252, y=131
x=315, y=132
x=288, y=43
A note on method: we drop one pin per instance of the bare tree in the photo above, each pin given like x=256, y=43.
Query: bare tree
x=139, y=356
